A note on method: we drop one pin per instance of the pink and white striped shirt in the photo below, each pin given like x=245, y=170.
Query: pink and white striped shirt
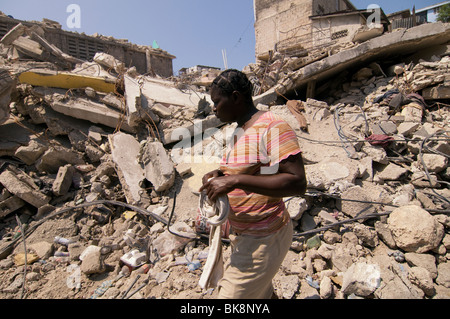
x=258, y=151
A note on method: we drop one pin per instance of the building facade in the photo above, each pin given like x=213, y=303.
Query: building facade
x=146, y=59
x=430, y=13
x=286, y=25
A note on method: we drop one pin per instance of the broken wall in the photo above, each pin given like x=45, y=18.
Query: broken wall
x=337, y=29
x=287, y=24
x=279, y=21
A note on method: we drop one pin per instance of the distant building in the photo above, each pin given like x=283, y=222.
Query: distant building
x=146, y=59
x=197, y=69
x=430, y=13
x=408, y=19
x=295, y=27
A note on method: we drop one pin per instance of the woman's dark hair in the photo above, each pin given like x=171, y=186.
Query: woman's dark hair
x=234, y=80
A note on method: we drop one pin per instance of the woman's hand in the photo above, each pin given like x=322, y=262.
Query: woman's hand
x=213, y=174
x=218, y=185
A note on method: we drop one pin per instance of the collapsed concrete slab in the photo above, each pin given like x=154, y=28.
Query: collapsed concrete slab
x=403, y=42
x=165, y=92
x=125, y=153
x=13, y=34
x=97, y=113
x=158, y=167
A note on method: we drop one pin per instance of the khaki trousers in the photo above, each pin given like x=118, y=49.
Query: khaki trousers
x=253, y=264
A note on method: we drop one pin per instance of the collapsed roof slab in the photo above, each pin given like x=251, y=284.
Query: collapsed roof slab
x=165, y=92
x=399, y=43
x=93, y=112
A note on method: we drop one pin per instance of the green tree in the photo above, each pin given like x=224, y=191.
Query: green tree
x=444, y=13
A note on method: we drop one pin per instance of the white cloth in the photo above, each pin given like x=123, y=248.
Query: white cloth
x=217, y=214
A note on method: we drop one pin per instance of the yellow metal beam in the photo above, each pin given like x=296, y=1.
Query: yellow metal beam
x=66, y=80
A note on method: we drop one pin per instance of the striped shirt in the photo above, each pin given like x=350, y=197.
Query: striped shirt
x=258, y=151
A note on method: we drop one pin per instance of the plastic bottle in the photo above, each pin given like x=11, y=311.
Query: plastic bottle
x=63, y=241
x=61, y=254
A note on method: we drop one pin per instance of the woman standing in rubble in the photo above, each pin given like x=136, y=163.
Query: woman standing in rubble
x=261, y=166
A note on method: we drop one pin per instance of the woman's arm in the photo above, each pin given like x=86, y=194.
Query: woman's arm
x=289, y=181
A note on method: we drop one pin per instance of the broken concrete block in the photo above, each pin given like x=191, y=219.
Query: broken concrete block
x=10, y=205
x=13, y=34
x=323, y=175
x=30, y=153
x=365, y=33
x=414, y=229
x=21, y=185
x=112, y=100
x=351, y=205
x=391, y=172
x=319, y=110
x=361, y=279
x=407, y=128
x=435, y=163
x=63, y=180
x=13, y=136
x=412, y=112
x=95, y=135
x=94, y=153
x=439, y=92
x=28, y=47
x=125, y=151
x=422, y=279
x=56, y=157
x=109, y=62
x=157, y=165
x=92, y=263
x=133, y=99
x=43, y=249
x=7, y=84
x=384, y=128
x=161, y=110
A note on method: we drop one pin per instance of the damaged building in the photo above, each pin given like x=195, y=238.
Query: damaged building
x=101, y=159
x=145, y=59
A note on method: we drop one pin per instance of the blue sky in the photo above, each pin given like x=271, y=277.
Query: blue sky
x=195, y=31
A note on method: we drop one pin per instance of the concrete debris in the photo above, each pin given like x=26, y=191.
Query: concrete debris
x=86, y=137
x=6, y=86
x=125, y=154
x=23, y=186
x=158, y=167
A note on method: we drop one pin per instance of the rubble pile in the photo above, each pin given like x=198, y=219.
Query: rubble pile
x=267, y=74
x=94, y=204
